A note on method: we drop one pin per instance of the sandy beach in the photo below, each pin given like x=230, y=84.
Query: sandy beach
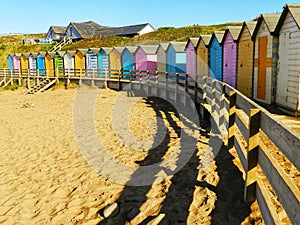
x=44, y=178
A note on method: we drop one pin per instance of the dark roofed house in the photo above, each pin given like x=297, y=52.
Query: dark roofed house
x=78, y=31
x=125, y=31
x=56, y=33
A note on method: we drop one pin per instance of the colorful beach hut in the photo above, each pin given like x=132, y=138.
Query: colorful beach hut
x=17, y=62
x=128, y=59
x=40, y=63
x=115, y=59
x=91, y=60
x=176, y=57
x=162, y=57
x=32, y=65
x=69, y=62
x=49, y=63
x=202, y=50
x=103, y=60
x=191, y=56
x=59, y=63
x=146, y=58
x=24, y=63
x=216, y=55
x=245, y=59
x=229, y=44
x=265, y=58
x=10, y=63
x=288, y=78
x=80, y=61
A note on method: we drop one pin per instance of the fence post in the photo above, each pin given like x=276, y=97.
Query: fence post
x=166, y=85
x=195, y=88
x=11, y=77
x=231, y=121
x=119, y=80
x=213, y=96
x=156, y=82
x=252, y=155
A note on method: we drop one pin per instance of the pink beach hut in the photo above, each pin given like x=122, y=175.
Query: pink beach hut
x=191, y=55
x=17, y=62
x=146, y=57
x=229, y=43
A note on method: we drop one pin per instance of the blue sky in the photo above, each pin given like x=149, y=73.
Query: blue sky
x=28, y=16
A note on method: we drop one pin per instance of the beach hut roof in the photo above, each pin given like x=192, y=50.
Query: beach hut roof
x=119, y=49
x=42, y=54
x=164, y=46
x=271, y=21
x=107, y=50
x=61, y=53
x=71, y=52
x=34, y=54
x=206, y=39
x=18, y=55
x=219, y=36
x=294, y=9
x=234, y=31
x=95, y=50
x=51, y=54
x=149, y=49
x=131, y=49
x=193, y=40
x=178, y=46
x=250, y=25
x=10, y=55
x=26, y=55
x=83, y=51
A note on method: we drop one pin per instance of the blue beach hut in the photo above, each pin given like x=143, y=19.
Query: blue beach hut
x=40, y=63
x=10, y=63
x=128, y=59
x=103, y=60
x=176, y=57
x=216, y=55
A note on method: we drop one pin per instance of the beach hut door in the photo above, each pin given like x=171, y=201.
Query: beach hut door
x=262, y=67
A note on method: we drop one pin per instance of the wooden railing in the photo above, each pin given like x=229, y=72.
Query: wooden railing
x=61, y=44
x=268, y=152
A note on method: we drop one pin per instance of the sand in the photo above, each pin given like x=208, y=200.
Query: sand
x=44, y=178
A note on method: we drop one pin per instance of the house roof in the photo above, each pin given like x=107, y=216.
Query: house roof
x=271, y=21
x=206, y=39
x=234, y=31
x=178, y=46
x=294, y=9
x=59, y=29
x=149, y=49
x=87, y=29
x=130, y=30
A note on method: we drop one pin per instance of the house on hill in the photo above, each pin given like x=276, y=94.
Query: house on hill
x=56, y=33
x=79, y=31
x=125, y=31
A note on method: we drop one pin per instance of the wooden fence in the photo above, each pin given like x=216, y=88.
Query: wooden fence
x=268, y=152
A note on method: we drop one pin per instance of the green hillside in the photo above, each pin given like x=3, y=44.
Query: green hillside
x=13, y=43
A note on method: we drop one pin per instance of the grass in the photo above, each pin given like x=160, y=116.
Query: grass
x=10, y=87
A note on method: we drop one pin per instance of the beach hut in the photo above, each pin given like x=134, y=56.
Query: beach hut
x=128, y=59
x=103, y=60
x=40, y=63
x=245, y=59
x=216, y=55
x=32, y=65
x=115, y=59
x=17, y=62
x=49, y=63
x=229, y=43
x=265, y=58
x=24, y=62
x=202, y=50
x=69, y=62
x=146, y=58
x=59, y=63
x=162, y=57
x=10, y=63
x=176, y=57
x=288, y=78
x=79, y=57
x=91, y=60
x=191, y=56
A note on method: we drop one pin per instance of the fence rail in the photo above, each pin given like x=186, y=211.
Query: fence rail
x=268, y=151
